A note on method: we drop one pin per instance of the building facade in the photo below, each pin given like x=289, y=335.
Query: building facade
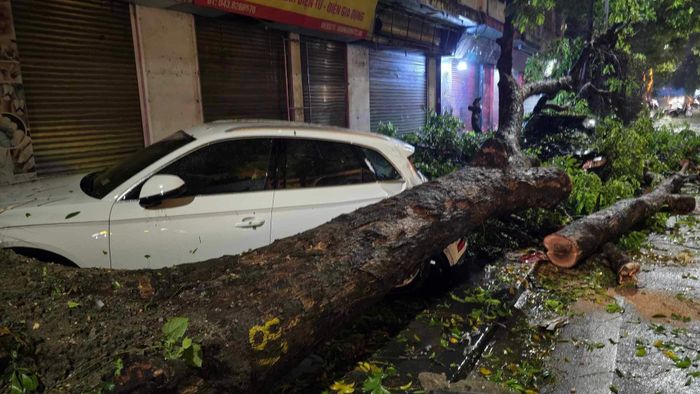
x=87, y=82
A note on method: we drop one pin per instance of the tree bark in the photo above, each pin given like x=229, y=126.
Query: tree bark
x=585, y=236
x=504, y=149
x=254, y=314
x=625, y=269
x=549, y=87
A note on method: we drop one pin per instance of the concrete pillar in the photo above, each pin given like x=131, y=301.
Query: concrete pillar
x=358, y=87
x=168, y=71
x=432, y=84
x=295, y=75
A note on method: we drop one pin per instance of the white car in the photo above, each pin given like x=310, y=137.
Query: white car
x=217, y=189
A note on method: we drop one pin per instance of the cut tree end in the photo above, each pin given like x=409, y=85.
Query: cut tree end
x=561, y=251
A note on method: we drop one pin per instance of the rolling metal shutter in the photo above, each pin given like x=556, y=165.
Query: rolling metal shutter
x=79, y=71
x=397, y=89
x=324, y=67
x=242, y=69
x=465, y=87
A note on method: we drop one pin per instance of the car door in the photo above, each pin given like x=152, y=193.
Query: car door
x=319, y=180
x=225, y=209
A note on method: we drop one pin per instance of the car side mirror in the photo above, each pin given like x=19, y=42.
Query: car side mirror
x=160, y=187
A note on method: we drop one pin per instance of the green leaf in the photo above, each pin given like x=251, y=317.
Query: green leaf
x=554, y=305
x=613, y=307
x=657, y=328
x=118, y=366
x=614, y=389
x=72, y=215
x=16, y=384
x=682, y=318
x=175, y=328
x=373, y=385
x=456, y=298
x=73, y=304
x=193, y=355
x=684, y=363
x=390, y=371
x=381, y=390
x=29, y=382
x=673, y=356
x=641, y=352
x=186, y=342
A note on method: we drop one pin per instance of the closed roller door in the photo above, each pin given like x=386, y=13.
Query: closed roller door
x=397, y=89
x=241, y=67
x=324, y=66
x=79, y=71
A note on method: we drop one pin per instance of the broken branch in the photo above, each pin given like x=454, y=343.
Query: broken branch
x=585, y=236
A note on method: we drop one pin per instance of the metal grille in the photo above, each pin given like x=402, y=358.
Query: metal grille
x=324, y=67
x=397, y=89
x=241, y=69
x=79, y=71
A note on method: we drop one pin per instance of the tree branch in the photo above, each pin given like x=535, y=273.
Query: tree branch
x=548, y=87
x=578, y=73
x=557, y=108
x=589, y=87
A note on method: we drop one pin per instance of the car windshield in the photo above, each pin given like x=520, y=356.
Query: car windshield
x=99, y=184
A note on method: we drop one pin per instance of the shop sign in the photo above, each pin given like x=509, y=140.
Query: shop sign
x=344, y=17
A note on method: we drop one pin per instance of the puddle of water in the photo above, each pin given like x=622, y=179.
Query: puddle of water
x=660, y=307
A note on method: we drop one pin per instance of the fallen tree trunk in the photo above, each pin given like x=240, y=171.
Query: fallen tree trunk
x=254, y=314
x=625, y=269
x=585, y=236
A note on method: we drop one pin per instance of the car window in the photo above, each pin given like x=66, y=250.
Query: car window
x=100, y=183
x=380, y=166
x=314, y=163
x=225, y=167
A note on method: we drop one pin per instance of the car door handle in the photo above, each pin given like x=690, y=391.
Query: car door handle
x=250, y=222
